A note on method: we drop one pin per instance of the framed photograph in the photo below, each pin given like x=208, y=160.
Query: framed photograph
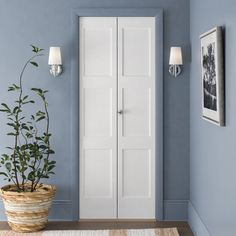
x=212, y=64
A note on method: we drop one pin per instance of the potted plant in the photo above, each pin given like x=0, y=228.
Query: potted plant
x=27, y=161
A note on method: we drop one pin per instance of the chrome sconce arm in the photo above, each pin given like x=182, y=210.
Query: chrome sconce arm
x=175, y=70
x=55, y=70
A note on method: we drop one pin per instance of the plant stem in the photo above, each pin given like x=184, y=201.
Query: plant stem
x=17, y=122
x=48, y=141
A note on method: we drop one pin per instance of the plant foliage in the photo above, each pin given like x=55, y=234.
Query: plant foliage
x=27, y=161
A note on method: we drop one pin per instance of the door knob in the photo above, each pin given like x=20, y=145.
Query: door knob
x=120, y=112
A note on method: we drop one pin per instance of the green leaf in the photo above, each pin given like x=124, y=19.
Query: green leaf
x=15, y=109
x=8, y=166
x=51, y=173
x=52, y=162
x=2, y=173
x=11, y=89
x=6, y=157
x=51, y=167
x=16, y=86
x=31, y=176
x=37, y=90
x=13, y=125
x=4, y=110
x=40, y=113
x=51, y=152
x=38, y=138
x=11, y=134
x=31, y=101
x=45, y=177
x=22, y=118
x=29, y=135
x=25, y=97
x=40, y=118
x=35, y=49
x=25, y=127
x=6, y=106
x=34, y=63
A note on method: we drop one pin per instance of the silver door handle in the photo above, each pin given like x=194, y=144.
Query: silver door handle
x=120, y=112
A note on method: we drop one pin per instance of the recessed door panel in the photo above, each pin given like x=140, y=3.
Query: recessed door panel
x=97, y=168
x=136, y=180
x=136, y=51
x=97, y=103
x=97, y=51
x=136, y=111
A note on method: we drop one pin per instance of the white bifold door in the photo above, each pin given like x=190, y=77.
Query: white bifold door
x=117, y=117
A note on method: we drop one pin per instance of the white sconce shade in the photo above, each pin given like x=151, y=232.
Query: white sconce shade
x=54, y=56
x=175, y=56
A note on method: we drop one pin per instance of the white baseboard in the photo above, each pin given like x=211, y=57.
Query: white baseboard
x=195, y=222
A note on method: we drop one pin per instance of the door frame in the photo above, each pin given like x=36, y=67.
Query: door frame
x=115, y=12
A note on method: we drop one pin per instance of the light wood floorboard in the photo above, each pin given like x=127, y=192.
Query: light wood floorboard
x=183, y=227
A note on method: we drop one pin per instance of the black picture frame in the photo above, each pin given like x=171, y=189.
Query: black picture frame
x=212, y=68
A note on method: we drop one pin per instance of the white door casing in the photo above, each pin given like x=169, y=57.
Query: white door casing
x=117, y=150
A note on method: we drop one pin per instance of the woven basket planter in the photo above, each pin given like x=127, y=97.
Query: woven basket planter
x=27, y=211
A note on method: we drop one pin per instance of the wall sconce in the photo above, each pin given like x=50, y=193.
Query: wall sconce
x=54, y=61
x=175, y=61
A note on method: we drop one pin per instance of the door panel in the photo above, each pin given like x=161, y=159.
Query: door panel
x=97, y=60
x=136, y=181
x=136, y=122
x=136, y=112
x=98, y=117
x=97, y=169
x=97, y=103
x=136, y=51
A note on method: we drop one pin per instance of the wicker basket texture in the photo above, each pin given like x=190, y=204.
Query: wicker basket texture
x=27, y=211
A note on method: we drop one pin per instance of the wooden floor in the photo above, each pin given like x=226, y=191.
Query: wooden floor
x=183, y=228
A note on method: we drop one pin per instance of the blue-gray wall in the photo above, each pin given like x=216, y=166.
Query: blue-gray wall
x=212, y=209
x=47, y=23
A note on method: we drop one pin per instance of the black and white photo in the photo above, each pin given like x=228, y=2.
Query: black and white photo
x=212, y=76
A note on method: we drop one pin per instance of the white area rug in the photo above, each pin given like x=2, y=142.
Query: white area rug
x=125, y=232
